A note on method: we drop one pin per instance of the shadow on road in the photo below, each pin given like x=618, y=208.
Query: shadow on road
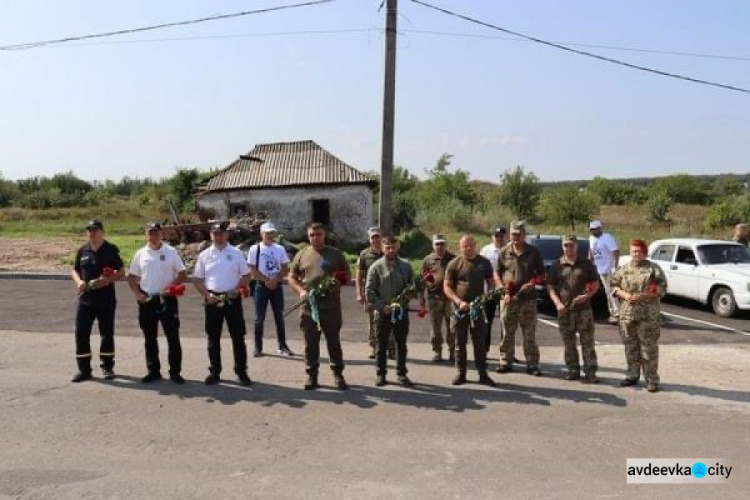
x=453, y=399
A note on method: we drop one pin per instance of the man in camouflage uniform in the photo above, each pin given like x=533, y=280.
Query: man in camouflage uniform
x=640, y=284
x=309, y=266
x=465, y=279
x=439, y=306
x=519, y=264
x=571, y=282
x=366, y=258
x=387, y=278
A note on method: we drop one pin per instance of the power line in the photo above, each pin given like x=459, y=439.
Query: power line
x=592, y=45
x=227, y=36
x=31, y=45
x=580, y=52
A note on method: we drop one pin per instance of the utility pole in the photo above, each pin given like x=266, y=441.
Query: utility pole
x=389, y=104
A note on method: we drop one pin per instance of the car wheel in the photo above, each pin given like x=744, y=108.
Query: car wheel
x=723, y=303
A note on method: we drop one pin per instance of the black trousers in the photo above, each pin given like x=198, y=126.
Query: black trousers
x=399, y=330
x=104, y=314
x=330, y=327
x=490, y=310
x=478, y=334
x=150, y=314
x=215, y=317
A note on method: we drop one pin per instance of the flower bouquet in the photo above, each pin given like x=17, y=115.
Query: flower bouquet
x=478, y=306
x=321, y=289
x=400, y=303
x=107, y=272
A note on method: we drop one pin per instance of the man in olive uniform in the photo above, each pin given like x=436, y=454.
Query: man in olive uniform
x=387, y=278
x=571, y=282
x=309, y=266
x=438, y=305
x=519, y=265
x=465, y=280
x=366, y=258
x=96, y=300
x=640, y=284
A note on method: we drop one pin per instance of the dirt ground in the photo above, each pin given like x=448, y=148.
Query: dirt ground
x=35, y=255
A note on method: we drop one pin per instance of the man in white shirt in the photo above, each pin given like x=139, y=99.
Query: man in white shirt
x=269, y=263
x=154, y=267
x=605, y=253
x=491, y=252
x=220, y=272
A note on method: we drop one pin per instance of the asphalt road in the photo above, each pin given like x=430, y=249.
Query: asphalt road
x=49, y=306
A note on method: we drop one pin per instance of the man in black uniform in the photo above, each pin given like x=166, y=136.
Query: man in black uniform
x=97, y=266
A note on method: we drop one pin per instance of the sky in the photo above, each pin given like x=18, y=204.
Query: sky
x=142, y=106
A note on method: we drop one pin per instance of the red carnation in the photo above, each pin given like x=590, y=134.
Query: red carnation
x=428, y=276
x=176, y=290
x=422, y=312
x=653, y=288
x=536, y=280
x=244, y=291
x=510, y=288
x=340, y=276
x=108, y=272
x=590, y=286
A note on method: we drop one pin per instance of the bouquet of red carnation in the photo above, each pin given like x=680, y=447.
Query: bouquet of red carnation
x=422, y=312
x=536, y=280
x=653, y=289
x=590, y=287
x=511, y=289
x=400, y=303
x=428, y=276
x=107, y=272
x=244, y=291
x=340, y=276
x=320, y=290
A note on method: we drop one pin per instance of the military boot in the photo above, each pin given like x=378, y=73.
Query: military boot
x=459, y=379
x=591, y=378
x=572, y=375
x=311, y=383
x=380, y=380
x=340, y=382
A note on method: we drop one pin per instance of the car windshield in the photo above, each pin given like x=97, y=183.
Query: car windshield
x=551, y=249
x=723, y=254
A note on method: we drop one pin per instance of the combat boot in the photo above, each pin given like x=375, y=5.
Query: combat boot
x=311, y=383
x=572, y=375
x=504, y=368
x=459, y=379
x=438, y=357
x=485, y=379
x=380, y=380
x=81, y=377
x=340, y=383
x=591, y=378
x=652, y=387
x=628, y=382
x=405, y=381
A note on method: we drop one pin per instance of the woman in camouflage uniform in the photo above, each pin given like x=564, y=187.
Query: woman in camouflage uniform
x=639, y=285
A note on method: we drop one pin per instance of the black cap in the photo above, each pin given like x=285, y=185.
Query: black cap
x=153, y=226
x=500, y=229
x=220, y=227
x=94, y=224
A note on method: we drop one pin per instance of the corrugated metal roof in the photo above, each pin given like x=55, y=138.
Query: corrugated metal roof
x=285, y=164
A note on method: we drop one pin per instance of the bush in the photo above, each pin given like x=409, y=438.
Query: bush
x=415, y=244
x=520, y=191
x=445, y=215
x=728, y=212
x=659, y=205
x=568, y=205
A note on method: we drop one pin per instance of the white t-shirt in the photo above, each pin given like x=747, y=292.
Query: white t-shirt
x=156, y=268
x=603, y=249
x=221, y=269
x=272, y=258
x=491, y=253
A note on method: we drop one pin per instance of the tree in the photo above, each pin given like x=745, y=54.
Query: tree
x=405, y=186
x=8, y=192
x=615, y=192
x=520, y=191
x=443, y=185
x=659, y=205
x=182, y=184
x=682, y=188
x=568, y=205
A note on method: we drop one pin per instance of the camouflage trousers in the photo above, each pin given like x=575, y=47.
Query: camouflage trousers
x=582, y=322
x=641, y=340
x=440, y=315
x=372, y=338
x=330, y=328
x=478, y=331
x=514, y=314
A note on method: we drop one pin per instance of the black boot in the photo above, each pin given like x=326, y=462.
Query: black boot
x=311, y=383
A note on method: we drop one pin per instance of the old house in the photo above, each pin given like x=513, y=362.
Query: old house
x=295, y=183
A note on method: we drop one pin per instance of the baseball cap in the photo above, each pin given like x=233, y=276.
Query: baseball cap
x=499, y=229
x=595, y=224
x=94, y=224
x=153, y=226
x=570, y=237
x=220, y=227
x=518, y=226
x=267, y=227
x=373, y=231
x=438, y=238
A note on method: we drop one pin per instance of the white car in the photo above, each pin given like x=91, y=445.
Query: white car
x=712, y=272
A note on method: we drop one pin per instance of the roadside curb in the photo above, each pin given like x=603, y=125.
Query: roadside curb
x=6, y=275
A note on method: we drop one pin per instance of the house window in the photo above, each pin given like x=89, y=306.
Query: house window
x=321, y=211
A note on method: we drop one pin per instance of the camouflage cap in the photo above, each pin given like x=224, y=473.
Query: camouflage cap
x=438, y=238
x=518, y=226
x=570, y=237
x=373, y=231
